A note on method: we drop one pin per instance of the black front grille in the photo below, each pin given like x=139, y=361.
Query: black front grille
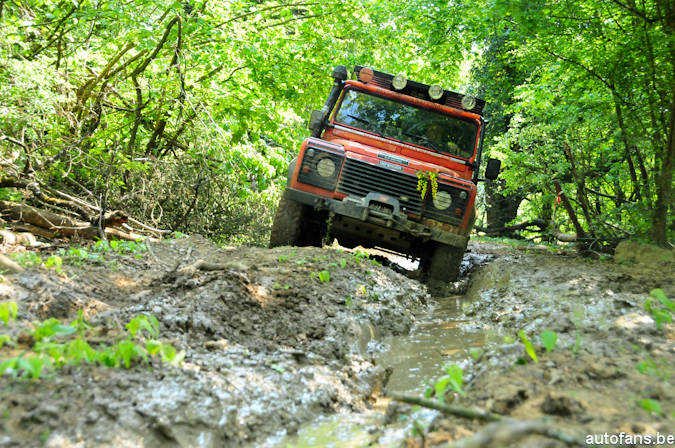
x=360, y=178
x=311, y=160
x=448, y=215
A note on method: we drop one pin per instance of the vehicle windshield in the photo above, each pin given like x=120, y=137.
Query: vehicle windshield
x=405, y=122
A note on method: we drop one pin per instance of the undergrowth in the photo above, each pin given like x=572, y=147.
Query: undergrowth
x=57, y=345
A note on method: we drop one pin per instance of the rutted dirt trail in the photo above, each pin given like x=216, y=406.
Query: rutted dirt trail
x=275, y=338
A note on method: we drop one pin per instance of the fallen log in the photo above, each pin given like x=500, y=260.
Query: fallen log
x=24, y=238
x=32, y=219
x=9, y=266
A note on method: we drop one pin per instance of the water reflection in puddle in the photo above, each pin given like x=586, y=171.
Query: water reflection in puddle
x=420, y=356
x=416, y=358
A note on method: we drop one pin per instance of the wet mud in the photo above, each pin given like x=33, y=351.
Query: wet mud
x=278, y=357
x=270, y=345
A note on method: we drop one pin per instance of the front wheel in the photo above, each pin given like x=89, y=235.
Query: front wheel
x=444, y=263
x=287, y=226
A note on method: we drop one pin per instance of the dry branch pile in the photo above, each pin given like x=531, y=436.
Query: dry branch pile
x=84, y=221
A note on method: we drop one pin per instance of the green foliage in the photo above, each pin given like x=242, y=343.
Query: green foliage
x=651, y=406
x=424, y=178
x=528, y=346
x=26, y=259
x=549, y=339
x=55, y=261
x=343, y=263
x=348, y=301
x=5, y=339
x=476, y=352
x=660, y=316
x=324, y=276
x=45, y=330
x=142, y=322
x=8, y=311
x=30, y=367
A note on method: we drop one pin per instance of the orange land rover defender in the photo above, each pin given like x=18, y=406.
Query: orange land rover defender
x=356, y=177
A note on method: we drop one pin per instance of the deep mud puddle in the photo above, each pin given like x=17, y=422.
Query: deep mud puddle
x=421, y=355
x=416, y=358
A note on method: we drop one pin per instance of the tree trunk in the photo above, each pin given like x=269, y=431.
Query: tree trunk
x=664, y=182
x=501, y=208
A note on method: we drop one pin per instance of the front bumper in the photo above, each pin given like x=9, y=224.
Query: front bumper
x=360, y=209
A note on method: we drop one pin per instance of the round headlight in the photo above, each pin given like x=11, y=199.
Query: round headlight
x=442, y=200
x=366, y=74
x=435, y=92
x=468, y=102
x=463, y=195
x=399, y=82
x=325, y=167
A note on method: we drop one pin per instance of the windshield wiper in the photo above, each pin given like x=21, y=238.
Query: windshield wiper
x=363, y=120
x=424, y=139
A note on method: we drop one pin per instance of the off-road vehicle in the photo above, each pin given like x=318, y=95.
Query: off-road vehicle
x=391, y=163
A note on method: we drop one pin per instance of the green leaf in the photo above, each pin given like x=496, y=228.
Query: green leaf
x=659, y=294
x=455, y=374
x=343, y=263
x=441, y=386
x=324, y=276
x=153, y=346
x=549, y=339
x=277, y=368
x=528, y=346
x=651, y=406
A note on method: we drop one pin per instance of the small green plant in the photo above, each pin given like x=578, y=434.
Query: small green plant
x=283, y=258
x=276, y=286
x=324, y=276
x=312, y=275
x=660, y=316
x=577, y=342
x=142, y=322
x=528, y=346
x=27, y=259
x=177, y=235
x=549, y=339
x=44, y=331
x=55, y=261
x=8, y=311
x=343, y=263
x=278, y=368
x=287, y=286
x=331, y=265
x=301, y=262
x=509, y=340
x=651, y=368
x=31, y=367
x=79, y=323
x=454, y=380
x=651, y=406
x=5, y=339
x=475, y=352
x=348, y=301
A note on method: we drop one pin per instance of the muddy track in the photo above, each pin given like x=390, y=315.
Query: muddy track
x=269, y=345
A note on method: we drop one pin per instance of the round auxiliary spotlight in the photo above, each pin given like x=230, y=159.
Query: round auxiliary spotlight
x=435, y=92
x=399, y=82
x=468, y=102
x=366, y=74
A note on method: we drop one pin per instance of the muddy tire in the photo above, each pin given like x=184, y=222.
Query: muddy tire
x=445, y=262
x=287, y=226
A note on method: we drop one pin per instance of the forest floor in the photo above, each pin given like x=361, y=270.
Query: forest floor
x=272, y=341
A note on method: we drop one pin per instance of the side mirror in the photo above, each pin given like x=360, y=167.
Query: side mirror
x=492, y=169
x=316, y=116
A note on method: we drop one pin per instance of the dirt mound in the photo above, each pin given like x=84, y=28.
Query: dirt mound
x=273, y=338
x=611, y=363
